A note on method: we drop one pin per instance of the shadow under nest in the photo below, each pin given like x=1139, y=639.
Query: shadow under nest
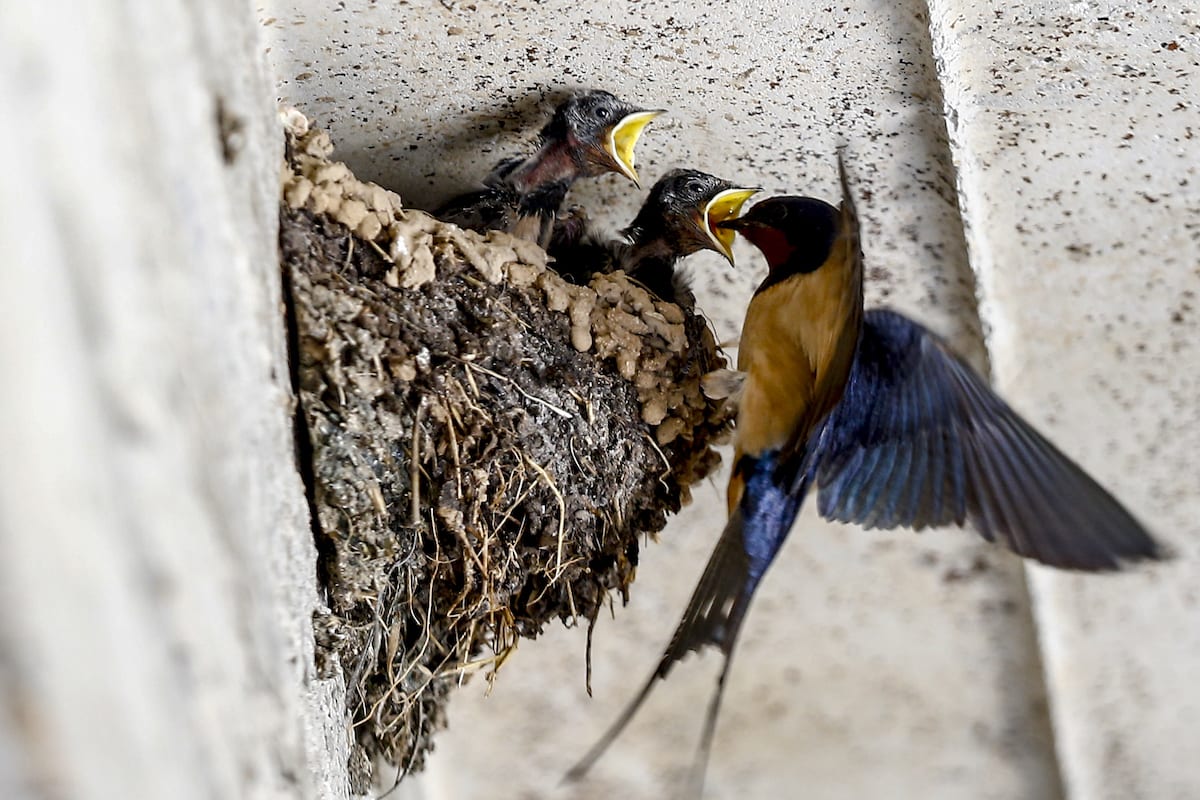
x=484, y=442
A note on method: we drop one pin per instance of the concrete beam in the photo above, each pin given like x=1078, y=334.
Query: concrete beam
x=1074, y=129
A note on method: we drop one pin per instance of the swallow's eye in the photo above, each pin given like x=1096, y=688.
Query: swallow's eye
x=693, y=186
x=601, y=112
x=776, y=213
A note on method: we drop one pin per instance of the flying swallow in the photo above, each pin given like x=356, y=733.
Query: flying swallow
x=589, y=135
x=892, y=428
x=680, y=217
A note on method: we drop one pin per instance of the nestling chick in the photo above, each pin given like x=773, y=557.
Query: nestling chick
x=590, y=134
x=680, y=217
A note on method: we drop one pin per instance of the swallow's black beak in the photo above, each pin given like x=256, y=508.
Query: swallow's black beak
x=736, y=224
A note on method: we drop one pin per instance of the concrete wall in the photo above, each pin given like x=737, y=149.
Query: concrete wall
x=1043, y=157
x=157, y=569
x=1075, y=132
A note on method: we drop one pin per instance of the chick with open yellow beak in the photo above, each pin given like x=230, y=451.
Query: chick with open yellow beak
x=724, y=206
x=681, y=216
x=590, y=134
x=621, y=139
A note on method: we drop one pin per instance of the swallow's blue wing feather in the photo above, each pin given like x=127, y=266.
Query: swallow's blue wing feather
x=920, y=440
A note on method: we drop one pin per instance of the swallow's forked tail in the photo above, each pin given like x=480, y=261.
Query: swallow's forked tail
x=718, y=607
x=713, y=617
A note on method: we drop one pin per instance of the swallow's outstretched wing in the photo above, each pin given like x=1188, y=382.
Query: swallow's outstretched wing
x=920, y=440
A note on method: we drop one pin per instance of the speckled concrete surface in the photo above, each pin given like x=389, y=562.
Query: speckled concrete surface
x=873, y=664
x=1076, y=126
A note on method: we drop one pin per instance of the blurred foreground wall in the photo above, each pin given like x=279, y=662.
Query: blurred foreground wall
x=156, y=562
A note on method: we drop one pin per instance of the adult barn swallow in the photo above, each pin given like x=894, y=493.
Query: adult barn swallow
x=680, y=217
x=893, y=428
x=590, y=134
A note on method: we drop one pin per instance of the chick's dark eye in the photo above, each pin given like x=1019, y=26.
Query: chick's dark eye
x=601, y=112
x=693, y=186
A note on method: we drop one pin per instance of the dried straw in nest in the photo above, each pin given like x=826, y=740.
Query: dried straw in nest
x=484, y=442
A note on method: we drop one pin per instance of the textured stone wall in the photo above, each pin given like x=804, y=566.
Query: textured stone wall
x=156, y=562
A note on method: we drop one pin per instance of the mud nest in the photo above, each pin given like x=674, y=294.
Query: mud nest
x=485, y=442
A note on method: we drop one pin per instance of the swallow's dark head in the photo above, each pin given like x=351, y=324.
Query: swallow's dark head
x=684, y=209
x=795, y=234
x=600, y=131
